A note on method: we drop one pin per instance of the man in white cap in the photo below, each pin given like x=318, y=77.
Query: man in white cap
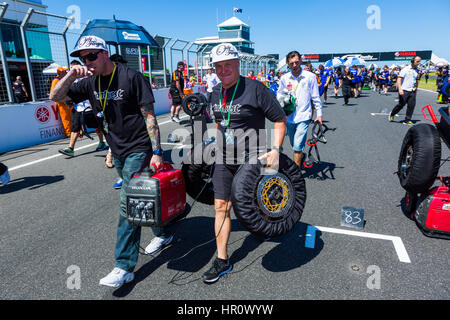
x=240, y=105
x=119, y=96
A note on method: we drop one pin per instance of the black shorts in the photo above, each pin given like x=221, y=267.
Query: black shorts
x=176, y=97
x=76, y=120
x=223, y=179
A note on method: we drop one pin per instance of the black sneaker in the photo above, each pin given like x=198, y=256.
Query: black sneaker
x=218, y=269
x=67, y=151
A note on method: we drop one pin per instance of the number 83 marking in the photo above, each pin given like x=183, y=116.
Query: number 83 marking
x=349, y=218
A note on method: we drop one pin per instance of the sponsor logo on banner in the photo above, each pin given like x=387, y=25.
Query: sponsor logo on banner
x=131, y=36
x=311, y=57
x=405, y=55
x=132, y=51
x=42, y=114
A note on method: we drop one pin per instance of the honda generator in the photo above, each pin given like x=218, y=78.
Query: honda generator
x=433, y=213
x=156, y=197
x=418, y=167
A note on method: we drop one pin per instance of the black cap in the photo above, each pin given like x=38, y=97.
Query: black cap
x=117, y=58
x=181, y=63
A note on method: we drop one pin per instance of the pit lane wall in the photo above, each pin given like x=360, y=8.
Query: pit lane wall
x=29, y=124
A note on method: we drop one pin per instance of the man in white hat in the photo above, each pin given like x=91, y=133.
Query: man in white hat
x=119, y=96
x=240, y=105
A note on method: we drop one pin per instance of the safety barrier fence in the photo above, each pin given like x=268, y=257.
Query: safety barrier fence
x=36, y=43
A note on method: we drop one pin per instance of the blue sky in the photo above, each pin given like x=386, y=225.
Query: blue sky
x=312, y=26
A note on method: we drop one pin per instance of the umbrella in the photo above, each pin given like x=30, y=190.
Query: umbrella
x=355, y=61
x=372, y=65
x=118, y=32
x=394, y=66
x=335, y=62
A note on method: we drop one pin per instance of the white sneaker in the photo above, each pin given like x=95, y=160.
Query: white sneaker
x=176, y=119
x=157, y=244
x=117, y=278
x=5, y=178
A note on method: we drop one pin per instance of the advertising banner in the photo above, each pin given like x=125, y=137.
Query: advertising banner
x=369, y=56
x=29, y=124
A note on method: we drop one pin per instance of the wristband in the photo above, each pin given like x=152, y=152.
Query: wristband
x=158, y=152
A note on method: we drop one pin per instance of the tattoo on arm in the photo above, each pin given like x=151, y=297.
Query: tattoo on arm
x=152, y=125
x=59, y=92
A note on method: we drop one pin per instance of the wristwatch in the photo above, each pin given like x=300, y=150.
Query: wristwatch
x=158, y=152
x=279, y=149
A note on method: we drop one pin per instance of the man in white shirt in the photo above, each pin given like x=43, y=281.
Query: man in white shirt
x=211, y=80
x=407, y=82
x=303, y=87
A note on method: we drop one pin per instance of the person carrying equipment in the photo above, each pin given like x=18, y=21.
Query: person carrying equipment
x=240, y=105
x=303, y=86
x=117, y=95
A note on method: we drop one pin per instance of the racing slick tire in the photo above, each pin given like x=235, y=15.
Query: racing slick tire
x=269, y=205
x=420, y=158
x=194, y=104
x=198, y=187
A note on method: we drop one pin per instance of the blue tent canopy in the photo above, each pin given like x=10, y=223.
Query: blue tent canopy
x=117, y=32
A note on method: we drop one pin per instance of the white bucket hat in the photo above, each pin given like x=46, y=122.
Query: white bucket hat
x=224, y=51
x=89, y=43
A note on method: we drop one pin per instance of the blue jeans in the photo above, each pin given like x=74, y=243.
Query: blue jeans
x=298, y=133
x=129, y=236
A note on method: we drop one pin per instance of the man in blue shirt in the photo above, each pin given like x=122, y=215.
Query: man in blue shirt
x=384, y=79
x=354, y=71
x=324, y=76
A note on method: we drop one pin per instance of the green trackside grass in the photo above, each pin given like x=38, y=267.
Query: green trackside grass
x=431, y=85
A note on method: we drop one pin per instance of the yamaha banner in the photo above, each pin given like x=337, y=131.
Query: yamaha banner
x=369, y=56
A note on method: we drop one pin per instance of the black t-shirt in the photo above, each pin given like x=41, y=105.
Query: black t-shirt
x=126, y=131
x=17, y=86
x=252, y=104
x=345, y=80
x=177, y=76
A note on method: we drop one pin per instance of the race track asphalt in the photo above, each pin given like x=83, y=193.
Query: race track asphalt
x=60, y=215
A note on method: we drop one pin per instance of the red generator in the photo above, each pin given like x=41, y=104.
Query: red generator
x=432, y=215
x=156, y=197
x=418, y=167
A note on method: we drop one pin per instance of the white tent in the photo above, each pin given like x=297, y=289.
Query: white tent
x=442, y=62
x=438, y=61
x=281, y=64
x=51, y=69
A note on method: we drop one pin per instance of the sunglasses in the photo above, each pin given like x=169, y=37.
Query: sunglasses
x=92, y=56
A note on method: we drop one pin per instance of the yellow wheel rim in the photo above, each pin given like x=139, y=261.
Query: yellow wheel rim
x=275, y=184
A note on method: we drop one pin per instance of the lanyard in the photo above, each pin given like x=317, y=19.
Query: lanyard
x=296, y=87
x=298, y=81
x=103, y=103
x=227, y=122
